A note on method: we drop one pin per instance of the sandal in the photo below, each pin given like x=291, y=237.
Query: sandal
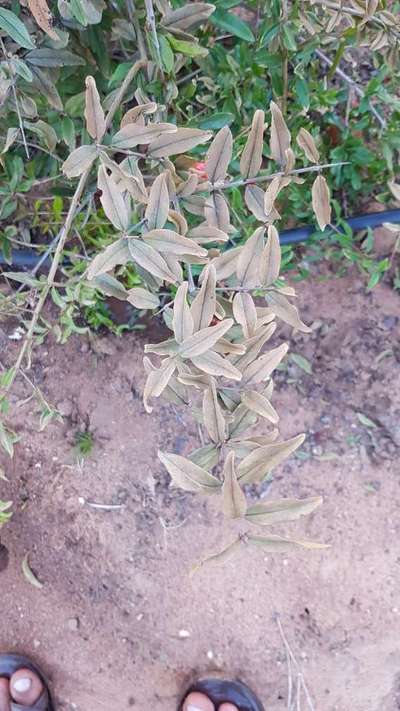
x=220, y=691
x=9, y=664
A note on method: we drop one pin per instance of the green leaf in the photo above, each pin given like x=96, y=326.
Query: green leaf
x=68, y=132
x=226, y=4
x=7, y=440
x=373, y=281
x=190, y=49
x=22, y=69
x=78, y=12
x=301, y=362
x=232, y=24
x=167, y=54
x=29, y=575
x=47, y=57
x=288, y=38
x=366, y=421
x=216, y=121
x=302, y=93
x=16, y=29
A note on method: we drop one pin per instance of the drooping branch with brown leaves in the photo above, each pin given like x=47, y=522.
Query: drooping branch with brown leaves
x=226, y=301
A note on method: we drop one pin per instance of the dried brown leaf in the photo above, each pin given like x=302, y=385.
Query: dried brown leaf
x=254, y=198
x=151, y=260
x=179, y=221
x=277, y=544
x=171, y=242
x=216, y=212
x=260, y=405
x=188, y=475
x=135, y=135
x=204, y=303
x=116, y=253
x=112, y=201
x=214, y=364
x=286, y=311
x=94, y=114
x=254, y=345
x=213, y=418
x=182, y=140
x=182, y=321
x=245, y=313
x=258, y=464
x=157, y=381
x=263, y=366
x=142, y=298
x=157, y=208
x=203, y=234
x=187, y=16
x=41, y=12
x=271, y=258
x=251, y=159
x=271, y=194
x=233, y=499
x=203, y=340
x=282, y=510
x=218, y=558
x=219, y=155
x=248, y=265
x=136, y=114
x=80, y=160
x=306, y=142
x=280, y=136
x=321, y=201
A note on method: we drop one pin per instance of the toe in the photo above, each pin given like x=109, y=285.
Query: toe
x=4, y=695
x=228, y=707
x=25, y=687
x=198, y=702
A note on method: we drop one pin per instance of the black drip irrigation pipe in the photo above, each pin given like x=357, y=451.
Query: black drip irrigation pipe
x=26, y=259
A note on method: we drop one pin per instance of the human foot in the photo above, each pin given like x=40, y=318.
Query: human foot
x=24, y=687
x=196, y=701
x=216, y=694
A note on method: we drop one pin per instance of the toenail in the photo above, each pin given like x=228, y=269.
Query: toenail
x=22, y=685
x=193, y=708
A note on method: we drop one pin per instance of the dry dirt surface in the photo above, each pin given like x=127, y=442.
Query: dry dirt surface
x=119, y=622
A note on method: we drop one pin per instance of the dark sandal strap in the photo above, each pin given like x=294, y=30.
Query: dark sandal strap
x=221, y=691
x=9, y=664
x=42, y=704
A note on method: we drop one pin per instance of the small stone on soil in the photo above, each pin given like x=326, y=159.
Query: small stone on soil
x=73, y=624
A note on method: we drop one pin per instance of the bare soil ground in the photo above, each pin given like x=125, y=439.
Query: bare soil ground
x=107, y=625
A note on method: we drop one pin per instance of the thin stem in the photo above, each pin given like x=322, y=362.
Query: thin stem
x=260, y=178
x=133, y=16
x=64, y=232
x=151, y=21
x=357, y=89
x=356, y=13
x=14, y=91
x=40, y=148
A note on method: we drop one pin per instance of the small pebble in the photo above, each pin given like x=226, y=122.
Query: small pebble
x=183, y=634
x=73, y=624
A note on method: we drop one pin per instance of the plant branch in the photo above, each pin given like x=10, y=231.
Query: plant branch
x=151, y=21
x=357, y=89
x=64, y=232
x=133, y=16
x=260, y=178
x=14, y=91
